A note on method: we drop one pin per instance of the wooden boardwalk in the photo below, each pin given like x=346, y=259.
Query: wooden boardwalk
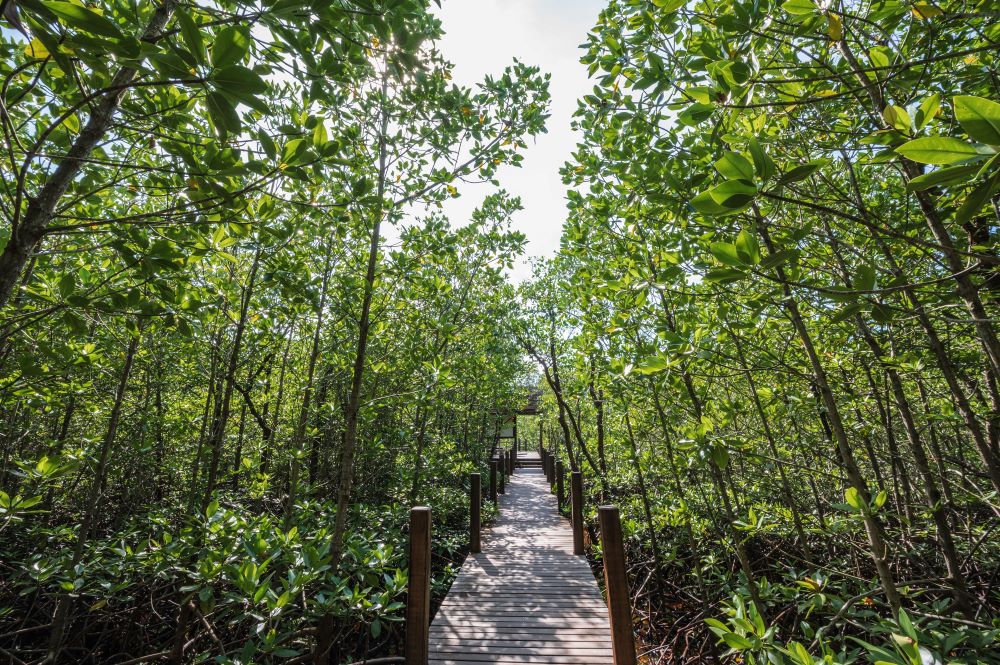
x=526, y=598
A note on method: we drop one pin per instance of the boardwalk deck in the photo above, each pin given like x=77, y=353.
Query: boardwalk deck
x=525, y=598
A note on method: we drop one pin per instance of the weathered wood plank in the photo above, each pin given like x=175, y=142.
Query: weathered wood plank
x=525, y=598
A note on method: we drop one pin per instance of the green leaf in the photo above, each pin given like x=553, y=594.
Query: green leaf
x=293, y=151
x=238, y=80
x=67, y=285
x=724, y=276
x=231, y=45
x=897, y=118
x=980, y=118
x=747, y=248
x=737, y=642
x=669, y=5
x=170, y=65
x=927, y=111
x=734, y=166
x=799, y=7
x=853, y=498
x=778, y=258
x=720, y=455
x=977, y=198
x=705, y=203
x=84, y=19
x=726, y=253
x=939, y=150
x=223, y=113
x=942, y=176
x=846, y=313
x=800, y=172
x=865, y=278
x=319, y=137
x=906, y=625
x=191, y=35
x=733, y=193
x=650, y=365
x=763, y=164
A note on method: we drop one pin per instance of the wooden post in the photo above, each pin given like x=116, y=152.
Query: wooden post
x=616, y=583
x=502, y=475
x=539, y=437
x=418, y=594
x=550, y=474
x=577, y=514
x=560, y=483
x=475, y=513
x=493, y=480
x=512, y=458
x=545, y=462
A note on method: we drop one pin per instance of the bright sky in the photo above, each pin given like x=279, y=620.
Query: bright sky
x=484, y=36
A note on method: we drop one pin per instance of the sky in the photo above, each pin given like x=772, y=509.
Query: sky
x=484, y=36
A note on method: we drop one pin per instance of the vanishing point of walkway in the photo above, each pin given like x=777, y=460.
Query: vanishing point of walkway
x=525, y=598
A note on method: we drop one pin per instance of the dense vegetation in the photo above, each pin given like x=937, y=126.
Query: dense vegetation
x=221, y=385
x=238, y=339
x=772, y=324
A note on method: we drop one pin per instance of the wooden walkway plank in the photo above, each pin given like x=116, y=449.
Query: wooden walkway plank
x=525, y=598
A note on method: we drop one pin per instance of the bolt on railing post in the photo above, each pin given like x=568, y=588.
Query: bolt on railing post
x=418, y=595
x=493, y=480
x=560, y=483
x=475, y=512
x=577, y=514
x=616, y=583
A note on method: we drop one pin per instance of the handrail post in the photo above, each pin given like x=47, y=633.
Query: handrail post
x=577, y=514
x=502, y=475
x=475, y=512
x=560, y=484
x=550, y=475
x=511, y=457
x=493, y=480
x=418, y=595
x=616, y=583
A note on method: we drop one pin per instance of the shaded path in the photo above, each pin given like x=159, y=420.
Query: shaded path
x=526, y=598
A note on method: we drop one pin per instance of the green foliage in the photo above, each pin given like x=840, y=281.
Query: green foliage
x=186, y=309
x=771, y=207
